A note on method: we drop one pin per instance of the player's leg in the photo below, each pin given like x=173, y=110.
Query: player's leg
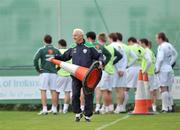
x=67, y=88
x=154, y=87
x=82, y=100
x=119, y=99
x=154, y=97
x=165, y=81
x=126, y=98
x=165, y=98
x=54, y=94
x=88, y=109
x=44, y=103
x=110, y=101
x=66, y=101
x=43, y=88
x=105, y=98
x=76, y=91
x=98, y=99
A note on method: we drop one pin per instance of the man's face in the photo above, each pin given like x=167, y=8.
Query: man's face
x=110, y=40
x=158, y=40
x=142, y=44
x=77, y=36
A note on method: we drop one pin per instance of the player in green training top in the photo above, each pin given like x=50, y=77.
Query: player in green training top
x=47, y=71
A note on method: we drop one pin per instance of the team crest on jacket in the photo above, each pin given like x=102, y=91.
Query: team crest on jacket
x=84, y=51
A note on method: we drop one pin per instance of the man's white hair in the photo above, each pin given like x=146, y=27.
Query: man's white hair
x=80, y=31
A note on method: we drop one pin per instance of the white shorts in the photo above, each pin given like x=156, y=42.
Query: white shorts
x=153, y=83
x=165, y=78
x=48, y=81
x=106, y=81
x=132, y=76
x=119, y=81
x=64, y=84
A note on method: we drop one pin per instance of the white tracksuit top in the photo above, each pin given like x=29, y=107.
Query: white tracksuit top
x=166, y=56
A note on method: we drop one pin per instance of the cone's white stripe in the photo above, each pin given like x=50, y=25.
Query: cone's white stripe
x=69, y=67
x=147, y=90
x=140, y=92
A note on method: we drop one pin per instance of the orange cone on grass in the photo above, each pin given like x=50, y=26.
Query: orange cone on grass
x=90, y=77
x=147, y=91
x=140, y=98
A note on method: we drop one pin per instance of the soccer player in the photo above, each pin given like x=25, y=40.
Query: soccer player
x=64, y=80
x=134, y=64
x=166, y=57
x=106, y=82
x=120, y=75
x=47, y=71
x=148, y=66
x=100, y=46
x=83, y=54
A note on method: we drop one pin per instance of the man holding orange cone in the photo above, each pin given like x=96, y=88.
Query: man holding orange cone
x=82, y=54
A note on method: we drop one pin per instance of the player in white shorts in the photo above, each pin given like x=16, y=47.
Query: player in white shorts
x=48, y=76
x=100, y=46
x=64, y=80
x=120, y=75
x=135, y=65
x=148, y=66
x=107, y=78
x=166, y=57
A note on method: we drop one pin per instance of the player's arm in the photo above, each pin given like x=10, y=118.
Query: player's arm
x=159, y=60
x=118, y=56
x=121, y=65
x=147, y=57
x=97, y=56
x=134, y=58
x=37, y=56
x=174, y=56
x=66, y=56
x=107, y=54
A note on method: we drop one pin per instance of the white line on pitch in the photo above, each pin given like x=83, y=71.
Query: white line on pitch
x=112, y=123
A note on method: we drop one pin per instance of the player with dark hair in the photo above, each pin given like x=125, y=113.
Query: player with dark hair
x=47, y=71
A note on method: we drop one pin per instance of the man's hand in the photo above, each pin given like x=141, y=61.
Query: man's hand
x=120, y=73
x=100, y=65
x=156, y=72
x=40, y=71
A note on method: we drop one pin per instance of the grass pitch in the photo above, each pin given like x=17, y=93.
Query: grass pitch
x=13, y=120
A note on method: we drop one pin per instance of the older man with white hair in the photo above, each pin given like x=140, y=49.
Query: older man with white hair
x=83, y=54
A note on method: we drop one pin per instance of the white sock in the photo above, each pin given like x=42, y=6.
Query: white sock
x=82, y=107
x=165, y=100
x=65, y=108
x=106, y=108
x=126, y=98
x=111, y=107
x=117, y=107
x=154, y=107
x=102, y=108
x=78, y=114
x=44, y=108
x=54, y=108
x=97, y=107
x=171, y=99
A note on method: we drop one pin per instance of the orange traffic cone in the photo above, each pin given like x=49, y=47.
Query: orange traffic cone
x=148, y=96
x=89, y=77
x=140, y=98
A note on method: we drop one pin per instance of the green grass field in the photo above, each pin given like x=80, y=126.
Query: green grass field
x=11, y=120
